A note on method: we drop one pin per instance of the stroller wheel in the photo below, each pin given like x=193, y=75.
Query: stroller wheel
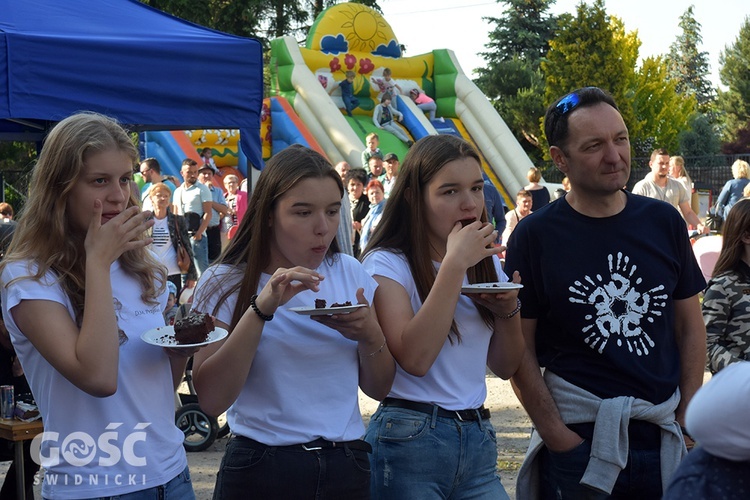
x=200, y=430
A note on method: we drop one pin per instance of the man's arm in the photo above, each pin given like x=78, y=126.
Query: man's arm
x=205, y=219
x=535, y=397
x=222, y=209
x=690, y=335
x=689, y=215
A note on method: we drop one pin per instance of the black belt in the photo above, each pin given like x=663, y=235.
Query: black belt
x=462, y=415
x=319, y=444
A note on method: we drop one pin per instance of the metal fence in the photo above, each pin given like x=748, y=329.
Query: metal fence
x=707, y=172
x=15, y=186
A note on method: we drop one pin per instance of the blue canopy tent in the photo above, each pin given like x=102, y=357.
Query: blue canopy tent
x=149, y=70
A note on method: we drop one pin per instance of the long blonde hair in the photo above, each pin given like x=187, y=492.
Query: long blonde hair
x=45, y=235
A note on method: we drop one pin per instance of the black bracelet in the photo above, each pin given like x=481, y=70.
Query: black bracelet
x=512, y=313
x=264, y=317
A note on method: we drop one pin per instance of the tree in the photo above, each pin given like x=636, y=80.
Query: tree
x=660, y=111
x=512, y=78
x=700, y=139
x=688, y=66
x=262, y=19
x=593, y=49
x=735, y=101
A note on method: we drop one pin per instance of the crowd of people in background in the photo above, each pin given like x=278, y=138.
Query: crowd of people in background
x=597, y=285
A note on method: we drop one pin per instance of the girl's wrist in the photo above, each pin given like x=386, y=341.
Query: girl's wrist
x=511, y=313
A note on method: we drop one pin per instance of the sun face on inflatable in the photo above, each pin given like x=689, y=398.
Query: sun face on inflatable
x=366, y=29
x=351, y=27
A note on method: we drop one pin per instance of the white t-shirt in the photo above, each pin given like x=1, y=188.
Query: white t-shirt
x=162, y=246
x=304, y=378
x=191, y=198
x=134, y=428
x=455, y=380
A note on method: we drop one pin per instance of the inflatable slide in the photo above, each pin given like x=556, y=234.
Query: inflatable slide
x=353, y=37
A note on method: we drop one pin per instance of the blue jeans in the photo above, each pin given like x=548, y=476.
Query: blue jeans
x=416, y=456
x=179, y=488
x=251, y=469
x=350, y=103
x=200, y=253
x=560, y=474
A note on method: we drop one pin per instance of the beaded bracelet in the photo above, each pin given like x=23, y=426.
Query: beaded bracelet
x=512, y=313
x=380, y=349
x=264, y=317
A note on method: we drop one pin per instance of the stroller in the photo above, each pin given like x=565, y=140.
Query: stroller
x=200, y=429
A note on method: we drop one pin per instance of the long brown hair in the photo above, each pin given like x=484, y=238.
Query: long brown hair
x=403, y=227
x=44, y=233
x=250, y=249
x=735, y=228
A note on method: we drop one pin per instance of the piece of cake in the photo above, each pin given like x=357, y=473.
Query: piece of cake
x=193, y=328
x=345, y=304
x=320, y=303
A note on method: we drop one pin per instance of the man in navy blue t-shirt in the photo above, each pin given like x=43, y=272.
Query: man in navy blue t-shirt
x=611, y=310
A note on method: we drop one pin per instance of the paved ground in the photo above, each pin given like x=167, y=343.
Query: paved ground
x=508, y=417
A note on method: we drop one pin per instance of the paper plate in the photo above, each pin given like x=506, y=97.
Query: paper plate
x=312, y=311
x=163, y=336
x=490, y=287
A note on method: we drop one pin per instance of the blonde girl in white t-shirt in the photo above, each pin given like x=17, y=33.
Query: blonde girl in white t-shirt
x=78, y=289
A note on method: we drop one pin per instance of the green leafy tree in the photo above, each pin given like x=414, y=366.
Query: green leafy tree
x=735, y=101
x=512, y=78
x=660, y=111
x=700, y=139
x=262, y=19
x=689, y=66
x=593, y=49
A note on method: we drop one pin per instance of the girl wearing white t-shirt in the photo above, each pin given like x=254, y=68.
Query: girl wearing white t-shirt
x=289, y=381
x=79, y=288
x=432, y=435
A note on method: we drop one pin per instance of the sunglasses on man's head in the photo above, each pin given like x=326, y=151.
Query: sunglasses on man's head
x=571, y=101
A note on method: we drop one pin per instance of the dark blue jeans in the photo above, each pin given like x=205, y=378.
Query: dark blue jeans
x=253, y=470
x=350, y=103
x=560, y=474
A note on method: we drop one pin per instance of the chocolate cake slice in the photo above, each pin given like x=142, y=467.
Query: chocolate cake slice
x=193, y=328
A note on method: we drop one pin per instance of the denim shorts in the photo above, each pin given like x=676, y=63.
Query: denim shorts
x=420, y=456
x=251, y=469
x=179, y=488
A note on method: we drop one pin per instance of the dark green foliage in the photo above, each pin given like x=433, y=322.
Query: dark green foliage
x=689, y=66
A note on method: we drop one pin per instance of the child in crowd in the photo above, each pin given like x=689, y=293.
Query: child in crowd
x=432, y=433
x=290, y=381
x=424, y=102
x=79, y=288
x=387, y=86
x=347, y=92
x=171, y=310
x=372, y=141
x=384, y=117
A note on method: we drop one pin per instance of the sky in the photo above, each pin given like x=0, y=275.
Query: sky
x=425, y=25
